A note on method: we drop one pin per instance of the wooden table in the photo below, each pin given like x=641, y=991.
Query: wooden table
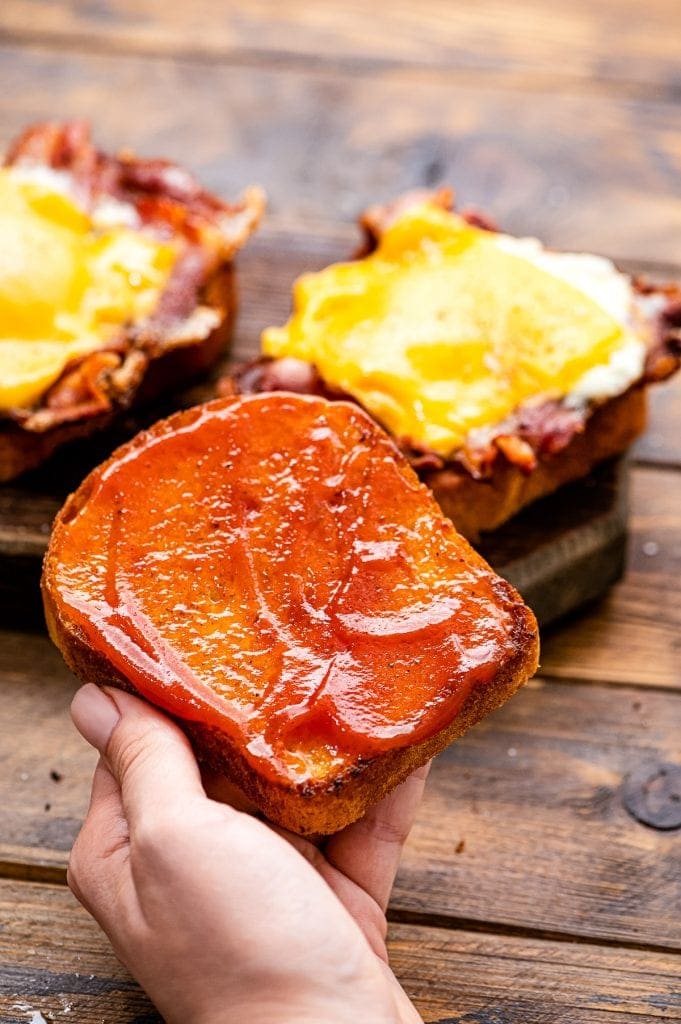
x=529, y=891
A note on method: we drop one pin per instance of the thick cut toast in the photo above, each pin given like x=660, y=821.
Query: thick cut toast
x=270, y=571
x=190, y=324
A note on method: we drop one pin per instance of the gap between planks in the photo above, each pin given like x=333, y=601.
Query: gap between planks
x=652, y=463
x=41, y=874
x=556, y=82
x=449, y=923
x=549, y=678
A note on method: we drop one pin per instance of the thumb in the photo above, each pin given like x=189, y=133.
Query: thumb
x=148, y=755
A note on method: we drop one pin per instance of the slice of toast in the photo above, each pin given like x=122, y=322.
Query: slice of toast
x=507, y=459
x=270, y=571
x=189, y=327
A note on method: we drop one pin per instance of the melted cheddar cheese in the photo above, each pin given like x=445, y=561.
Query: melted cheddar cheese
x=67, y=285
x=446, y=328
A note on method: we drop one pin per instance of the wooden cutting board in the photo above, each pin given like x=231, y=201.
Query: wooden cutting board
x=561, y=553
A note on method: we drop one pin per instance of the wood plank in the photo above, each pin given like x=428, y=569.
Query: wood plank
x=55, y=961
x=459, y=976
x=567, y=42
x=583, y=171
x=534, y=794
x=632, y=636
x=568, y=549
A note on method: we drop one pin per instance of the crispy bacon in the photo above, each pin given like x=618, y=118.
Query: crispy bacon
x=182, y=290
x=288, y=374
x=81, y=393
x=82, y=388
x=95, y=385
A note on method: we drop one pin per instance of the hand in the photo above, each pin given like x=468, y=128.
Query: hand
x=219, y=916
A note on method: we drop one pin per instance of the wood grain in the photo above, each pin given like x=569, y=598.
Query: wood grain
x=583, y=171
x=571, y=860
x=568, y=43
x=459, y=977
x=450, y=975
x=55, y=961
x=46, y=766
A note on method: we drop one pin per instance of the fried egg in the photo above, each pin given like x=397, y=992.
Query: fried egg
x=447, y=328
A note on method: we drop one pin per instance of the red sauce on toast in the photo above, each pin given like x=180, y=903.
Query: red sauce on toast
x=271, y=566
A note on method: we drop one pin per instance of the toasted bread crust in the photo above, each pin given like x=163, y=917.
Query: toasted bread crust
x=315, y=809
x=477, y=506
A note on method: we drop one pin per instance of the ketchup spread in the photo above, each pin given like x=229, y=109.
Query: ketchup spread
x=271, y=567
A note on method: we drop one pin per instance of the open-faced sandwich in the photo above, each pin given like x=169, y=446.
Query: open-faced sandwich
x=502, y=369
x=271, y=572
x=116, y=283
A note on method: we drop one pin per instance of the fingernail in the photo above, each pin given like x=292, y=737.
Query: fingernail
x=94, y=715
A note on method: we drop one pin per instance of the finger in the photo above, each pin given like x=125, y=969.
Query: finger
x=368, y=852
x=149, y=757
x=100, y=852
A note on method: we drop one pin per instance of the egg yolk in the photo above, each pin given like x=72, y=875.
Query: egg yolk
x=66, y=287
x=441, y=330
